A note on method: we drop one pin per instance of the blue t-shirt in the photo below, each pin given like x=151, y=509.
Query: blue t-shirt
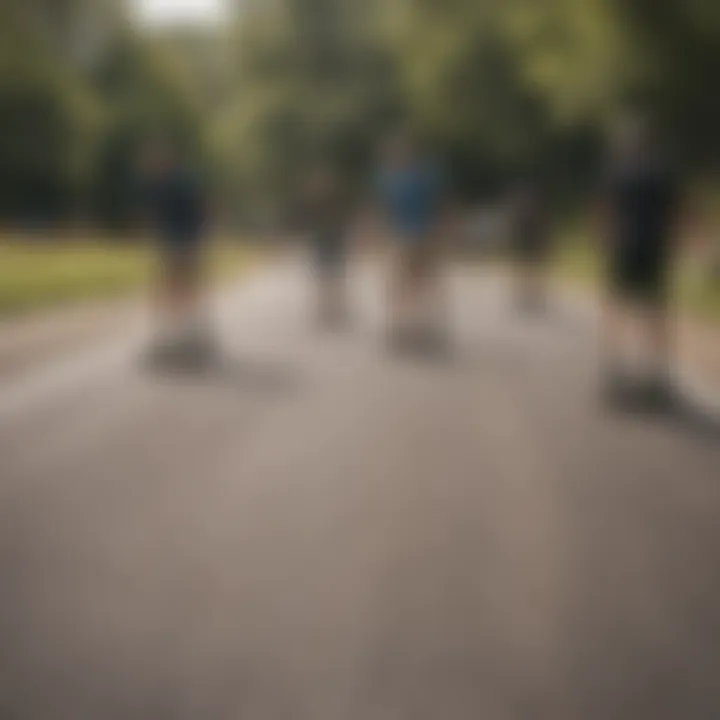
x=412, y=198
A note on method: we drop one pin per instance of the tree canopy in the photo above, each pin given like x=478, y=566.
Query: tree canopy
x=500, y=88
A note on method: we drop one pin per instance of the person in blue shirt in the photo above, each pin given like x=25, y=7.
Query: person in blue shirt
x=412, y=195
x=176, y=207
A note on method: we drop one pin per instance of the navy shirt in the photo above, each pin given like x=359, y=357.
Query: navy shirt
x=412, y=197
x=644, y=200
x=177, y=206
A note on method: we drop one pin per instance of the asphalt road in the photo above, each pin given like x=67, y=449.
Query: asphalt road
x=324, y=532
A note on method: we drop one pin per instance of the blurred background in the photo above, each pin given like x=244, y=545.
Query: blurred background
x=252, y=90
x=311, y=528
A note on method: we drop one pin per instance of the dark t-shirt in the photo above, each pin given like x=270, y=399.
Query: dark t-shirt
x=529, y=222
x=643, y=200
x=177, y=206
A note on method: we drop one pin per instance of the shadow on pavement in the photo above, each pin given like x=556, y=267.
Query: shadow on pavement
x=683, y=413
x=701, y=421
x=553, y=315
x=459, y=356
x=424, y=351
x=241, y=373
x=496, y=357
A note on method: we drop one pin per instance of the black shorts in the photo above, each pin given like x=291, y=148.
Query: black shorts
x=530, y=251
x=644, y=281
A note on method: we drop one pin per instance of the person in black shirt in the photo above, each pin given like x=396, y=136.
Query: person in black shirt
x=327, y=214
x=176, y=205
x=530, y=241
x=641, y=205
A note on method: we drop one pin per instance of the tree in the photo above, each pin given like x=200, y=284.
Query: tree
x=144, y=92
x=47, y=118
x=312, y=79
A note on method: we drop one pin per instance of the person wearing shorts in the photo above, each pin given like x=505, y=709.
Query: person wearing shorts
x=641, y=203
x=327, y=213
x=530, y=244
x=412, y=198
x=176, y=205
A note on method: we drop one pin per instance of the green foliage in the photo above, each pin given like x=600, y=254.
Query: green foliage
x=144, y=93
x=501, y=88
x=312, y=79
x=47, y=117
x=68, y=131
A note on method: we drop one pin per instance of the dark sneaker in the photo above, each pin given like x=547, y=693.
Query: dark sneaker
x=616, y=387
x=660, y=393
x=435, y=340
x=160, y=354
x=397, y=339
x=201, y=349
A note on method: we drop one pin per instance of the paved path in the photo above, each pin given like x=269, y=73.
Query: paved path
x=323, y=532
x=29, y=339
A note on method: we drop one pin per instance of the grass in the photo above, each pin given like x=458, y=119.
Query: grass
x=578, y=261
x=36, y=275
x=700, y=298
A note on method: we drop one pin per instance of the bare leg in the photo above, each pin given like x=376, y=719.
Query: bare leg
x=331, y=300
x=437, y=292
x=530, y=286
x=660, y=342
x=170, y=311
x=611, y=349
x=338, y=299
x=192, y=307
x=537, y=285
x=173, y=300
x=400, y=290
x=322, y=301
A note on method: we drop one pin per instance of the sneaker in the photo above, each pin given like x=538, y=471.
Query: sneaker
x=660, y=392
x=397, y=339
x=616, y=386
x=160, y=353
x=434, y=339
x=202, y=348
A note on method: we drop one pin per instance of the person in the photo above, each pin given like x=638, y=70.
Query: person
x=412, y=196
x=641, y=202
x=530, y=236
x=326, y=205
x=177, y=208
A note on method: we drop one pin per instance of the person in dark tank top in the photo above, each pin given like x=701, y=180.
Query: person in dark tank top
x=176, y=206
x=327, y=211
x=641, y=207
x=530, y=243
